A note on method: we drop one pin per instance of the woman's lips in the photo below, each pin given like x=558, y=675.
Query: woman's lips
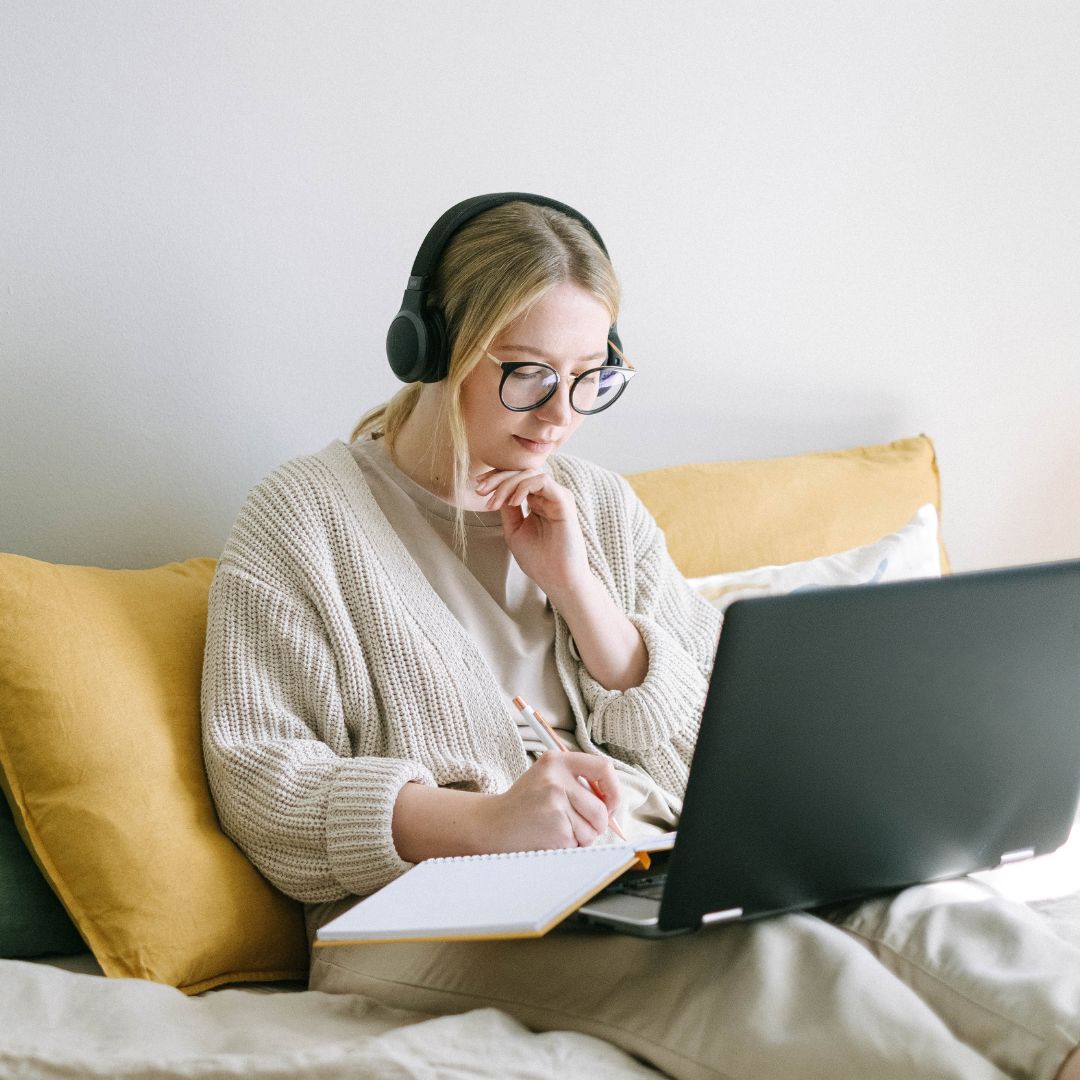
x=534, y=446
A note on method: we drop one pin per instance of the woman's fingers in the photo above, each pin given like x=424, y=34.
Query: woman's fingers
x=596, y=769
x=550, y=805
x=511, y=489
x=555, y=790
x=486, y=483
x=595, y=810
x=590, y=815
x=504, y=488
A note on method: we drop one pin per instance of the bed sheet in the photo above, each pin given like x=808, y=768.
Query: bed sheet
x=60, y=1023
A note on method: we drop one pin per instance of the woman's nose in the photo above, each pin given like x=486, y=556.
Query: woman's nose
x=557, y=408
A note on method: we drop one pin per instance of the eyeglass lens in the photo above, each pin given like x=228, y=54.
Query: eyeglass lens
x=530, y=385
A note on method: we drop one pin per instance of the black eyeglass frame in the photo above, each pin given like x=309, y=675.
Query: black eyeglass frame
x=510, y=366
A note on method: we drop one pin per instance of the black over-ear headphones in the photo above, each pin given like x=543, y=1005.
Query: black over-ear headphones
x=418, y=342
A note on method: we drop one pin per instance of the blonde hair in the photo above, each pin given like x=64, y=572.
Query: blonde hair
x=493, y=269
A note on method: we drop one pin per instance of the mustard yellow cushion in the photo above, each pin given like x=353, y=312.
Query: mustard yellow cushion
x=102, y=762
x=738, y=515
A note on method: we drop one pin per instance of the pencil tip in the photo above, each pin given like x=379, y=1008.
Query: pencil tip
x=519, y=703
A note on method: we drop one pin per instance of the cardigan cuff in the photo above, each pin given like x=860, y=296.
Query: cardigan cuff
x=359, y=815
x=644, y=717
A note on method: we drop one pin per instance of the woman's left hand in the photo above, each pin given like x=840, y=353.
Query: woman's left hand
x=549, y=547
x=547, y=542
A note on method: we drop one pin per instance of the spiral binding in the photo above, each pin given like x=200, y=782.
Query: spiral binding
x=524, y=854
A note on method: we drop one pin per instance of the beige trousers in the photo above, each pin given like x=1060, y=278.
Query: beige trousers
x=941, y=982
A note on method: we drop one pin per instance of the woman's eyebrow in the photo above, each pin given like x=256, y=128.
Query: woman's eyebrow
x=533, y=351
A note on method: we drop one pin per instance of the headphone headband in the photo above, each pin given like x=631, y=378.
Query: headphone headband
x=418, y=343
x=427, y=258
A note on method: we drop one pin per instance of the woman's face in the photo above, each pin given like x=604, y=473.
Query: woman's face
x=567, y=328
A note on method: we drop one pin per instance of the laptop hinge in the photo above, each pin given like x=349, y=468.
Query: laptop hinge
x=1017, y=856
x=721, y=916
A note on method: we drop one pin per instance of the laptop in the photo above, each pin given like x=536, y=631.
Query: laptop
x=859, y=739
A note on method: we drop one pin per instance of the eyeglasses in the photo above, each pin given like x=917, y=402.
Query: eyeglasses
x=527, y=385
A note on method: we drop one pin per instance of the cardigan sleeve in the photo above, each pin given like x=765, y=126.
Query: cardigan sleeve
x=655, y=724
x=314, y=820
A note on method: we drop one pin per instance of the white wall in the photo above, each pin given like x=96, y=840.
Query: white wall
x=836, y=223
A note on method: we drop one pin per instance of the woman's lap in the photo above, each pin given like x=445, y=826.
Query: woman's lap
x=989, y=966
x=795, y=994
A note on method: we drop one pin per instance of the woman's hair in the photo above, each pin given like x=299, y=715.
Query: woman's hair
x=493, y=269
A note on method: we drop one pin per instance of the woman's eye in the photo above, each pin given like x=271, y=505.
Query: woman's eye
x=524, y=375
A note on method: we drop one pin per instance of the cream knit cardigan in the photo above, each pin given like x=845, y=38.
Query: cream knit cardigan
x=334, y=674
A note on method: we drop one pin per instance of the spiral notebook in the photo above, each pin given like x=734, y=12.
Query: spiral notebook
x=521, y=894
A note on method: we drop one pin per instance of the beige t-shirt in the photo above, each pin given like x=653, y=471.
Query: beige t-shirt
x=503, y=610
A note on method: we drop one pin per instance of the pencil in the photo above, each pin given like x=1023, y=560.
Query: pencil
x=546, y=734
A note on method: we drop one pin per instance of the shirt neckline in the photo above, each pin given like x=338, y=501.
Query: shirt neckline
x=426, y=500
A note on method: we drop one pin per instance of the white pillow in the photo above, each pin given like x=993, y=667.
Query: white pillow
x=910, y=552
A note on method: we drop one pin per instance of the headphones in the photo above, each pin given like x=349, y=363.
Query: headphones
x=418, y=342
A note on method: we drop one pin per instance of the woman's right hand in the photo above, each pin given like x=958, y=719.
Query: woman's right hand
x=549, y=807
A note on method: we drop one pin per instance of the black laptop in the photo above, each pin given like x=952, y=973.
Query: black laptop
x=857, y=740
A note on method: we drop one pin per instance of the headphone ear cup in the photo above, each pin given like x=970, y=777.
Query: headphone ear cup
x=406, y=345
x=437, y=365
x=417, y=345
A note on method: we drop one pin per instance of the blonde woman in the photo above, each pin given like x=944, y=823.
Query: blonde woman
x=379, y=604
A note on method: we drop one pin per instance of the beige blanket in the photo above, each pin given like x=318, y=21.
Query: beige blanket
x=57, y=1024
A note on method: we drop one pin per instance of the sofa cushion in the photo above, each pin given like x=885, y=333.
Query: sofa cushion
x=101, y=754
x=32, y=921
x=739, y=515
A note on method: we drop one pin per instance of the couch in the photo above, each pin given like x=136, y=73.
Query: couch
x=112, y=861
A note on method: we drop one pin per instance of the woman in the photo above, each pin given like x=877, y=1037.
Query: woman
x=379, y=605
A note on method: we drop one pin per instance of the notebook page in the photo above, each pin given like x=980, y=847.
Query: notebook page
x=522, y=894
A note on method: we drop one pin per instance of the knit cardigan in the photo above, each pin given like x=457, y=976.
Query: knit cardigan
x=334, y=674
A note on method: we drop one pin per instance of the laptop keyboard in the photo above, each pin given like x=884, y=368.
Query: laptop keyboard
x=650, y=886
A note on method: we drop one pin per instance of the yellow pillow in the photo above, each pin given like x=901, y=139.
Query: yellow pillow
x=738, y=515
x=102, y=762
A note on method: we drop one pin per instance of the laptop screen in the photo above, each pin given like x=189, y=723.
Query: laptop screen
x=856, y=740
